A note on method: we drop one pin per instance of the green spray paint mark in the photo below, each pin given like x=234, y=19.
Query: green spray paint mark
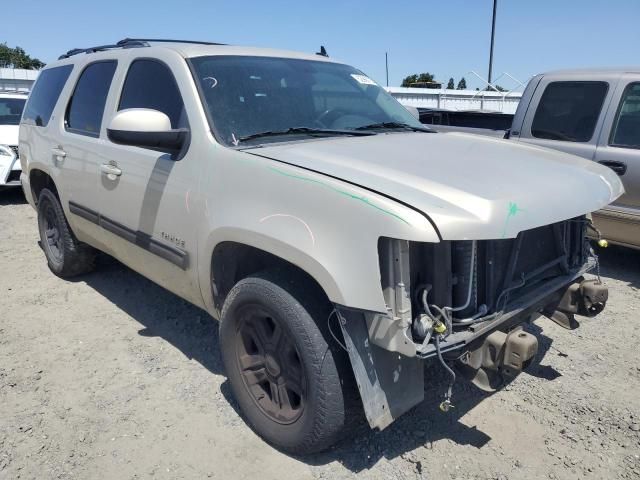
x=360, y=198
x=513, y=210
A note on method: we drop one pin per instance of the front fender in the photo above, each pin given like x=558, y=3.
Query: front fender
x=277, y=247
x=326, y=227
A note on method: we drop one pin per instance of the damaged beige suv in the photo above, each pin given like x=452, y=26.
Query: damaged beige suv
x=341, y=244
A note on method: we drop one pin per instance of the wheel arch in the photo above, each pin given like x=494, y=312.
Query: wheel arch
x=233, y=259
x=39, y=180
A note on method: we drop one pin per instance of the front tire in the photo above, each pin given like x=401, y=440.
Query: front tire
x=66, y=255
x=282, y=371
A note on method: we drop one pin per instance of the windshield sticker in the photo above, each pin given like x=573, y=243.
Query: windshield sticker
x=363, y=79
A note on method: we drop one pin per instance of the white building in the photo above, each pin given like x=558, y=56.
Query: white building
x=17, y=79
x=504, y=102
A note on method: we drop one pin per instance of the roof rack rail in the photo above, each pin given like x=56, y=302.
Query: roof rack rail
x=130, y=43
x=126, y=43
x=167, y=40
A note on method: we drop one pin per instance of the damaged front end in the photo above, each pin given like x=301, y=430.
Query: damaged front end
x=465, y=302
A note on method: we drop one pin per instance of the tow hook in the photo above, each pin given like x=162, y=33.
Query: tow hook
x=501, y=355
x=585, y=297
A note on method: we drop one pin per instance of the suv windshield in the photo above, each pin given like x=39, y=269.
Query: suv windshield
x=11, y=110
x=259, y=99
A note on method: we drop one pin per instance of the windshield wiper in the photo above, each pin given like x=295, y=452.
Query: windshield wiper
x=394, y=126
x=302, y=131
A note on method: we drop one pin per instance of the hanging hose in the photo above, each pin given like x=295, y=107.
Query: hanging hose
x=428, y=330
x=479, y=316
x=472, y=267
x=507, y=290
x=425, y=303
x=446, y=405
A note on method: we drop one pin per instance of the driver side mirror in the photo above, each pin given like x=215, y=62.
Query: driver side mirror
x=146, y=128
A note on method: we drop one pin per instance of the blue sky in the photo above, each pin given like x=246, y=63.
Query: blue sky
x=448, y=38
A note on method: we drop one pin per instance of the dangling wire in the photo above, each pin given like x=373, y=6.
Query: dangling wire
x=446, y=405
x=601, y=242
x=331, y=331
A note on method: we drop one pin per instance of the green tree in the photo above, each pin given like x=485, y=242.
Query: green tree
x=407, y=81
x=451, y=85
x=415, y=78
x=462, y=84
x=18, y=58
x=498, y=88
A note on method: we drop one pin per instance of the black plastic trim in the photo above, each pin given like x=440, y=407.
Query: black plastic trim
x=143, y=240
x=171, y=141
x=84, y=212
x=127, y=41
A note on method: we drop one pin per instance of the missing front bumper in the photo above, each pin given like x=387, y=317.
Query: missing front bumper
x=391, y=383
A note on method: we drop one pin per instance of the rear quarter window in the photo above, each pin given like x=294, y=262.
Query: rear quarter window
x=86, y=107
x=45, y=94
x=569, y=111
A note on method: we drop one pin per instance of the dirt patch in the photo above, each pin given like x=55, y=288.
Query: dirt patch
x=110, y=376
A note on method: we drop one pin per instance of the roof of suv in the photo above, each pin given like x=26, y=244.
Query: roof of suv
x=594, y=70
x=13, y=94
x=188, y=48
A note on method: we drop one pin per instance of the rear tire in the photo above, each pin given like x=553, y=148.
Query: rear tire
x=66, y=255
x=282, y=371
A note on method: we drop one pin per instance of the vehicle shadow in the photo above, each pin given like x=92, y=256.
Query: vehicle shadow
x=12, y=196
x=195, y=334
x=425, y=424
x=162, y=314
x=620, y=263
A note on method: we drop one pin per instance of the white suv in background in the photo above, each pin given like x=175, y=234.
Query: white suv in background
x=11, y=106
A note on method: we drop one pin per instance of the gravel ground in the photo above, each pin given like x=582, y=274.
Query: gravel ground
x=110, y=376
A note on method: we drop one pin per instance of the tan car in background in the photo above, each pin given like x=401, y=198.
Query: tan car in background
x=593, y=113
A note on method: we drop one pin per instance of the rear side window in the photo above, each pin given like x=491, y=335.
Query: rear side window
x=569, y=111
x=45, y=94
x=86, y=107
x=626, y=128
x=150, y=84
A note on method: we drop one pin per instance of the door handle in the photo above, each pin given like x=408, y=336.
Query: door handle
x=59, y=153
x=111, y=171
x=619, y=167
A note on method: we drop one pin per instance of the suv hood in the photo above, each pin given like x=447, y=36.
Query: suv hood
x=9, y=134
x=471, y=187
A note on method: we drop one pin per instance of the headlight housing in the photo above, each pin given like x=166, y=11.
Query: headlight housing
x=6, y=151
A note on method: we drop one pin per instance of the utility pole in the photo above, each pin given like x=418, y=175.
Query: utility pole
x=493, y=33
x=386, y=64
